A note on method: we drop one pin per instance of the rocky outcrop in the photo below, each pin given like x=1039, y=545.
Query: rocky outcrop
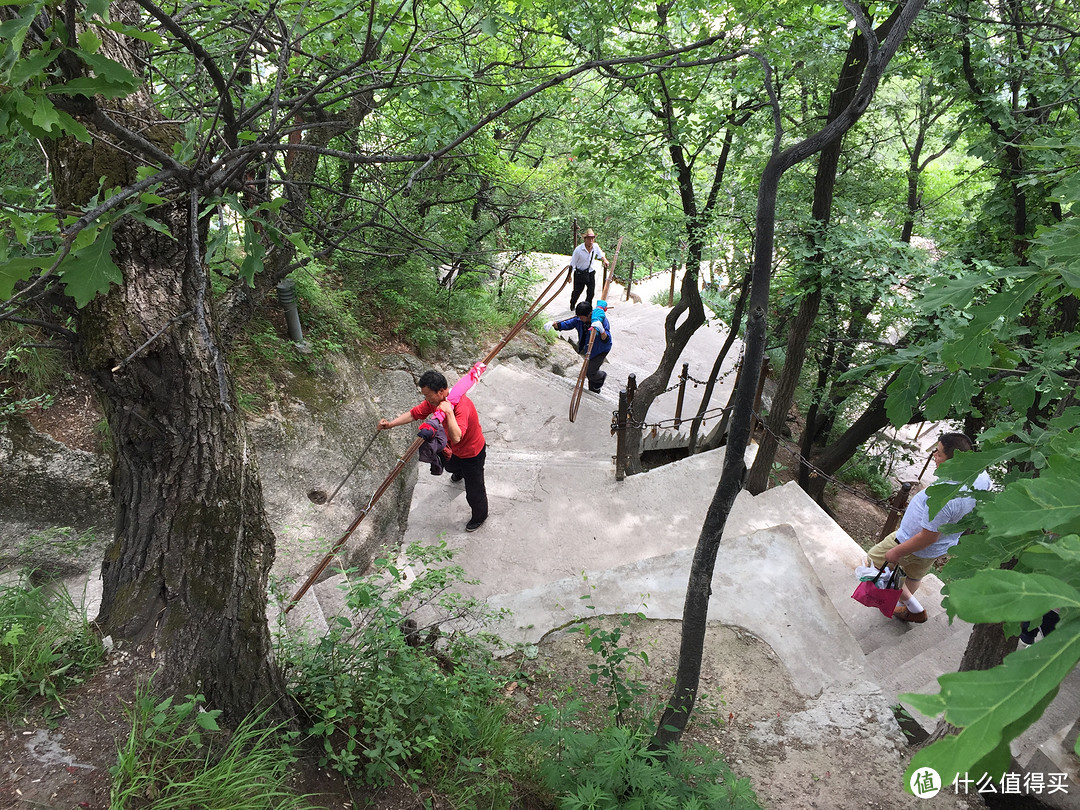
x=56, y=513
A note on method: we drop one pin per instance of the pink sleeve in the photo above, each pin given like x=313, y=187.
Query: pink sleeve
x=462, y=386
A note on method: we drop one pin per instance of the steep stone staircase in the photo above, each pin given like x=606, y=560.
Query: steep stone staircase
x=562, y=528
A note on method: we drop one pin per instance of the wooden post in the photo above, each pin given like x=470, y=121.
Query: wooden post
x=629, y=280
x=898, y=502
x=620, y=436
x=682, y=393
x=671, y=292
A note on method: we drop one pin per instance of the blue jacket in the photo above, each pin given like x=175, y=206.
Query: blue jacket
x=599, y=346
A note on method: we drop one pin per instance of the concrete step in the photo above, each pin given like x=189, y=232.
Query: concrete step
x=663, y=439
x=762, y=582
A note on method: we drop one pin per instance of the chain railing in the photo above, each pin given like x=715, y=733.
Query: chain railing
x=816, y=472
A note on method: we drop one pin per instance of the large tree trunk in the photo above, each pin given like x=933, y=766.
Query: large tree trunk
x=187, y=572
x=847, y=84
x=186, y=575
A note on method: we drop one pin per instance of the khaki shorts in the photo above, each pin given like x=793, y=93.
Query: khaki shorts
x=914, y=567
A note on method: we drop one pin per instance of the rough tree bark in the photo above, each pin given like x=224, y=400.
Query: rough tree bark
x=186, y=575
x=696, y=607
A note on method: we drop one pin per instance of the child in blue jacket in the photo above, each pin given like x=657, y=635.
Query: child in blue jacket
x=586, y=318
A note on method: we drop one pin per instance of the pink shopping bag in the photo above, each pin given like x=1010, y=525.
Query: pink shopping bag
x=882, y=598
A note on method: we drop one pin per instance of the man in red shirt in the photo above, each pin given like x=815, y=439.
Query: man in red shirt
x=466, y=440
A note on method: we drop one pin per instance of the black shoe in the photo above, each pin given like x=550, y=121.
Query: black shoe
x=456, y=477
x=594, y=390
x=473, y=525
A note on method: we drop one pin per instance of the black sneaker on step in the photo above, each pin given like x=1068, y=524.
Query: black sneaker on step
x=473, y=525
x=456, y=477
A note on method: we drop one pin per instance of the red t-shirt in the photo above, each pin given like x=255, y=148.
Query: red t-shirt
x=472, y=438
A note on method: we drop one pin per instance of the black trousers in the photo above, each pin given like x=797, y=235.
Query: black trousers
x=472, y=469
x=593, y=373
x=583, y=280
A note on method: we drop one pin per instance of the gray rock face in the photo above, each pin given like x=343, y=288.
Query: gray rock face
x=305, y=454
x=56, y=513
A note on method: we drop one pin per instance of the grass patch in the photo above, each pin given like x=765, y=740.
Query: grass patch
x=46, y=646
x=176, y=758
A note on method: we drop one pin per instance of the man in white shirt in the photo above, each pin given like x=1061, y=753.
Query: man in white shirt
x=919, y=540
x=581, y=261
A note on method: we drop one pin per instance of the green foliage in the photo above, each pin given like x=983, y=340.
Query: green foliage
x=59, y=540
x=46, y=645
x=615, y=765
x=176, y=757
x=406, y=301
x=36, y=370
x=385, y=699
x=1034, y=442
x=12, y=403
x=328, y=311
x=616, y=768
x=867, y=471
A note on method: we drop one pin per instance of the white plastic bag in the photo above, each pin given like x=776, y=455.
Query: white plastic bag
x=866, y=573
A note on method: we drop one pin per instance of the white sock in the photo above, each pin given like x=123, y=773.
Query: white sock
x=913, y=605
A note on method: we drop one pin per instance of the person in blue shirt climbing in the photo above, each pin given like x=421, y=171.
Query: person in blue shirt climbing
x=586, y=318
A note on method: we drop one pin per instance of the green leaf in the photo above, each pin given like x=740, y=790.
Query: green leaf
x=990, y=705
x=970, y=350
x=31, y=66
x=977, y=552
x=91, y=270
x=153, y=224
x=904, y=394
x=962, y=469
x=45, y=115
x=207, y=720
x=98, y=8
x=1007, y=304
x=73, y=127
x=951, y=293
x=13, y=31
x=19, y=269
x=1050, y=502
x=89, y=41
x=994, y=596
x=1060, y=557
x=86, y=86
x=152, y=37
x=930, y=705
x=105, y=68
x=953, y=394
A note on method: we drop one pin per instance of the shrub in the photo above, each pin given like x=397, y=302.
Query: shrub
x=867, y=471
x=616, y=768
x=386, y=697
